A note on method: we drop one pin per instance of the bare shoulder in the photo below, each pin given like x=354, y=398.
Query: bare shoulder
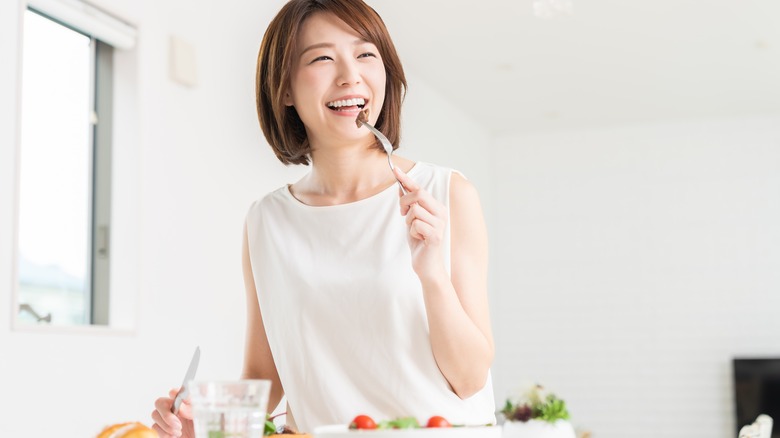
x=404, y=163
x=463, y=194
x=467, y=221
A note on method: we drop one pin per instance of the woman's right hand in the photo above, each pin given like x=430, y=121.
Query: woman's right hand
x=170, y=425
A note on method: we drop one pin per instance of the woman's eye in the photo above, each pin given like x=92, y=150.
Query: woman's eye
x=366, y=55
x=321, y=58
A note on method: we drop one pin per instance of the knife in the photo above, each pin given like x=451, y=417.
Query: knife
x=183, y=391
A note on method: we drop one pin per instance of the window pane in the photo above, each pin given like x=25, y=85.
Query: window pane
x=55, y=171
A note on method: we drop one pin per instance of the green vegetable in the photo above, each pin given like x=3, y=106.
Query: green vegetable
x=553, y=409
x=509, y=409
x=270, y=427
x=399, y=423
x=550, y=409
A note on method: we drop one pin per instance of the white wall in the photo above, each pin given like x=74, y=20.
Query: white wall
x=633, y=264
x=201, y=161
x=436, y=131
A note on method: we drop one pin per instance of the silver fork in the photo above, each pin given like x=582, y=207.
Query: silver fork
x=388, y=150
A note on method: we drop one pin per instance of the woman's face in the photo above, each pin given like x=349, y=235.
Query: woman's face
x=335, y=75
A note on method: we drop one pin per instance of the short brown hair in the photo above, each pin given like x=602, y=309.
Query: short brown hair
x=281, y=125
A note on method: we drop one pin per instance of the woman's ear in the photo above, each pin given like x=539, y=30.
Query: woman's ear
x=288, y=98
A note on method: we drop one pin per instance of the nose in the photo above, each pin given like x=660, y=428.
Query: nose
x=349, y=73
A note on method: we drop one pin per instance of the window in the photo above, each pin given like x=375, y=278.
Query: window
x=64, y=216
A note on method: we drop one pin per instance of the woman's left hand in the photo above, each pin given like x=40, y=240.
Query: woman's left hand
x=426, y=219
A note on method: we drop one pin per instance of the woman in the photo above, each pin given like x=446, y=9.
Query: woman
x=362, y=299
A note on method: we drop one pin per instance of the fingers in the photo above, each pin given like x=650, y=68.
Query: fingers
x=185, y=410
x=421, y=205
x=162, y=434
x=424, y=231
x=416, y=195
x=166, y=423
x=426, y=217
x=164, y=429
x=424, y=199
x=425, y=226
x=404, y=179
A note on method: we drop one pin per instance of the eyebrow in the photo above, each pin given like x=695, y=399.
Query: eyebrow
x=328, y=45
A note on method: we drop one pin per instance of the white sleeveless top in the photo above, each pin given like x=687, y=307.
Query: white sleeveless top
x=344, y=312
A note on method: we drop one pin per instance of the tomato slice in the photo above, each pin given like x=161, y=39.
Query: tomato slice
x=437, y=421
x=362, y=422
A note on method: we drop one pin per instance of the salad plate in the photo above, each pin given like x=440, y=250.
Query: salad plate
x=343, y=431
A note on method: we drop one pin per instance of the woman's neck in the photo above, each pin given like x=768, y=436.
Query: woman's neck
x=346, y=175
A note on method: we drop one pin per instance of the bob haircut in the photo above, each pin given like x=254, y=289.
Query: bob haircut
x=281, y=125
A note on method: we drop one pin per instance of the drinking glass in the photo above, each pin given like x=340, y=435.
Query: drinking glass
x=229, y=409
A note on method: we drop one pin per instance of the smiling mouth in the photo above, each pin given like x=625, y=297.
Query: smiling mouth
x=355, y=104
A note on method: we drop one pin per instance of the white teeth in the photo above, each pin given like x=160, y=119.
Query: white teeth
x=347, y=102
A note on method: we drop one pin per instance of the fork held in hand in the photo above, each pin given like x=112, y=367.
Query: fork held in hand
x=385, y=144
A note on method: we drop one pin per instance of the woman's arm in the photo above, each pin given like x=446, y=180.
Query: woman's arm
x=456, y=305
x=258, y=361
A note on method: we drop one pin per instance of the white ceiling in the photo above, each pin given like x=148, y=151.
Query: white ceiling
x=610, y=62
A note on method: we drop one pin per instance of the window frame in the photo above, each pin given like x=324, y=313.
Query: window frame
x=121, y=288
x=102, y=131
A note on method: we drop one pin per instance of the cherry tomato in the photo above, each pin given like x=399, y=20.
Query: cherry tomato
x=362, y=422
x=437, y=421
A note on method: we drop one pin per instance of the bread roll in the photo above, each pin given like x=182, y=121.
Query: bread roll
x=127, y=430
